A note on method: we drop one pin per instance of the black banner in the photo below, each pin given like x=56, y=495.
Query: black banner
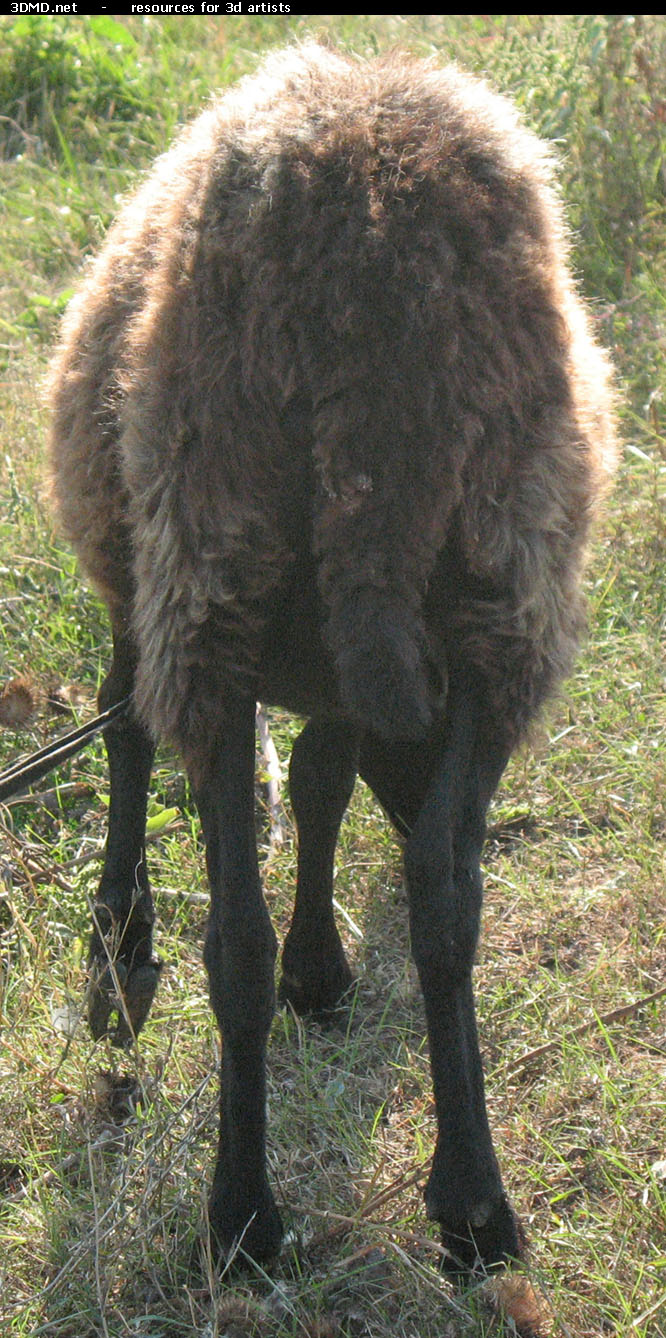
x=88, y=8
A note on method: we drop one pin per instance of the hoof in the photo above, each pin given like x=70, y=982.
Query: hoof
x=492, y=1241
x=127, y=996
x=259, y=1238
x=315, y=996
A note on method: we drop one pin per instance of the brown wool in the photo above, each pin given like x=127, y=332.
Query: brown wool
x=334, y=335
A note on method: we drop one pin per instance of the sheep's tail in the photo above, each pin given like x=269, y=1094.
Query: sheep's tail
x=378, y=645
x=386, y=490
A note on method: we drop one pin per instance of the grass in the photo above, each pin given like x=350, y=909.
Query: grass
x=104, y=1159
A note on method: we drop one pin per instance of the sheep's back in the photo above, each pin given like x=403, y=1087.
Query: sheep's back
x=343, y=293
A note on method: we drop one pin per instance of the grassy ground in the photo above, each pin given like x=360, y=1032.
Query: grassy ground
x=104, y=1160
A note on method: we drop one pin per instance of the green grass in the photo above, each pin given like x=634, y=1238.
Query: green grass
x=100, y=1208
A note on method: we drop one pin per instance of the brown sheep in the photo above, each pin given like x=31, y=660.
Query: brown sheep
x=329, y=427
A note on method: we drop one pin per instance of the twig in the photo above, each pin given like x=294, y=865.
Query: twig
x=100, y=1287
x=29, y=139
x=55, y=1175
x=274, y=773
x=84, y=1247
x=368, y=1207
x=41, y=871
x=625, y=1010
x=393, y=1234
x=43, y=798
x=427, y=1277
x=647, y=1314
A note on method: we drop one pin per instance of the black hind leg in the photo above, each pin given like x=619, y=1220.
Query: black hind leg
x=437, y=796
x=122, y=971
x=322, y=772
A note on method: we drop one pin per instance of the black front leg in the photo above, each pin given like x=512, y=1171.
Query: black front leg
x=239, y=955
